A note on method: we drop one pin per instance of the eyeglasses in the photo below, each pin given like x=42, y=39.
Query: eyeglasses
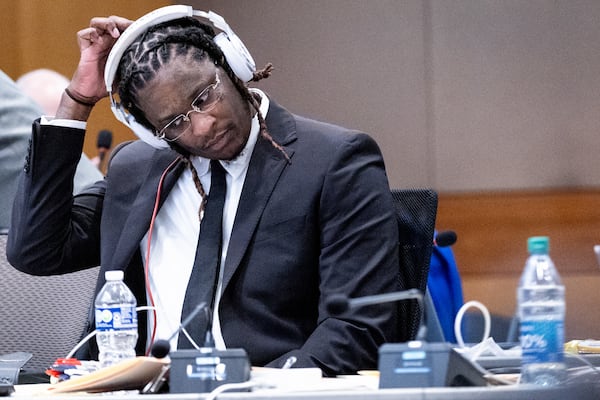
x=203, y=103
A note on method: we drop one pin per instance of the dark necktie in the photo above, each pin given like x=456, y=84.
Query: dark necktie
x=205, y=273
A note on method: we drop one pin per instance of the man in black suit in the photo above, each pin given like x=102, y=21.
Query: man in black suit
x=308, y=211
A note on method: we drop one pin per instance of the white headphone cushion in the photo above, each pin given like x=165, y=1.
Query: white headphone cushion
x=242, y=66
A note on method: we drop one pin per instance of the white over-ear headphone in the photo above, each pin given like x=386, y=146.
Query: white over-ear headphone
x=236, y=54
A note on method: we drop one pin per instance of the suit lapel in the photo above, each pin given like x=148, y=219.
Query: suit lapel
x=266, y=166
x=138, y=220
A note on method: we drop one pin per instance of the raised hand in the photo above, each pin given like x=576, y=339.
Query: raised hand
x=87, y=85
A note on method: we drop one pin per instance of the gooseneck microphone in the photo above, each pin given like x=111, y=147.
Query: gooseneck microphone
x=445, y=238
x=103, y=143
x=202, y=369
x=162, y=347
x=104, y=139
x=337, y=304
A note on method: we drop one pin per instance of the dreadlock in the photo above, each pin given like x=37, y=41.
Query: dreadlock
x=159, y=45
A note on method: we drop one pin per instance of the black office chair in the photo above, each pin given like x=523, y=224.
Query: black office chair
x=416, y=211
x=42, y=315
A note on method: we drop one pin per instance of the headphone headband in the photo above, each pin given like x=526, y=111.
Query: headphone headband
x=234, y=50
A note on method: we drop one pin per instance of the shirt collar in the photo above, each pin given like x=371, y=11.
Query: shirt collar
x=239, y=164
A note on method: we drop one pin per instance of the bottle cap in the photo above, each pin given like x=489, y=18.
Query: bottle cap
x=538, y=245
x=114, y=275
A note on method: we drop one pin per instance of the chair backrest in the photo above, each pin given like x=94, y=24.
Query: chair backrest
x=42, y=315
x=416, y=210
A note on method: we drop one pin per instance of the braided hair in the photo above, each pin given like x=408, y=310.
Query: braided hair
x=163, y=42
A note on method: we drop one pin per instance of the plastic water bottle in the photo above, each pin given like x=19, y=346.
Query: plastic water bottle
x=541, y=309
x=116, y=320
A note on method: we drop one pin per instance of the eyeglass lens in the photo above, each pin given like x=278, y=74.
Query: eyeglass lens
x=204, y=102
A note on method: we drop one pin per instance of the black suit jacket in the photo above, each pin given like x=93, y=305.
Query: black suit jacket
x=304, y=230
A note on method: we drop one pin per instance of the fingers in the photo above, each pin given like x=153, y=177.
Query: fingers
x=112, y=25
x=102, y=31
x=87, y=36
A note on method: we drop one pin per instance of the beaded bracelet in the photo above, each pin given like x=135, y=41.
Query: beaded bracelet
x=77, y=100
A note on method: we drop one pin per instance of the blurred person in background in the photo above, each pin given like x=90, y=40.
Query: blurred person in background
x=45, y=87
x=18, y=110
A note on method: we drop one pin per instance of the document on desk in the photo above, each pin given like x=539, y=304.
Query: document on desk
x=307, y=380
x=130, y=374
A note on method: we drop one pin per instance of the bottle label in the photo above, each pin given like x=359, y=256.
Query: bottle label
x=116, y=318
x=542, y=341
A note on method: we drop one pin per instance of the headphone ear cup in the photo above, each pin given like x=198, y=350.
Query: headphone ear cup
x=237, y=56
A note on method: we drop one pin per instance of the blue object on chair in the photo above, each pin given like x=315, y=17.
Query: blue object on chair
x=445, y=288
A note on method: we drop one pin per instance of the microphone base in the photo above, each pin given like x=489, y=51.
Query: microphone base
x=201, y=371
x=421, y=364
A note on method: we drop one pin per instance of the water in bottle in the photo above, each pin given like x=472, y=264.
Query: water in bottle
x=116, y=320
x=541, y=309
